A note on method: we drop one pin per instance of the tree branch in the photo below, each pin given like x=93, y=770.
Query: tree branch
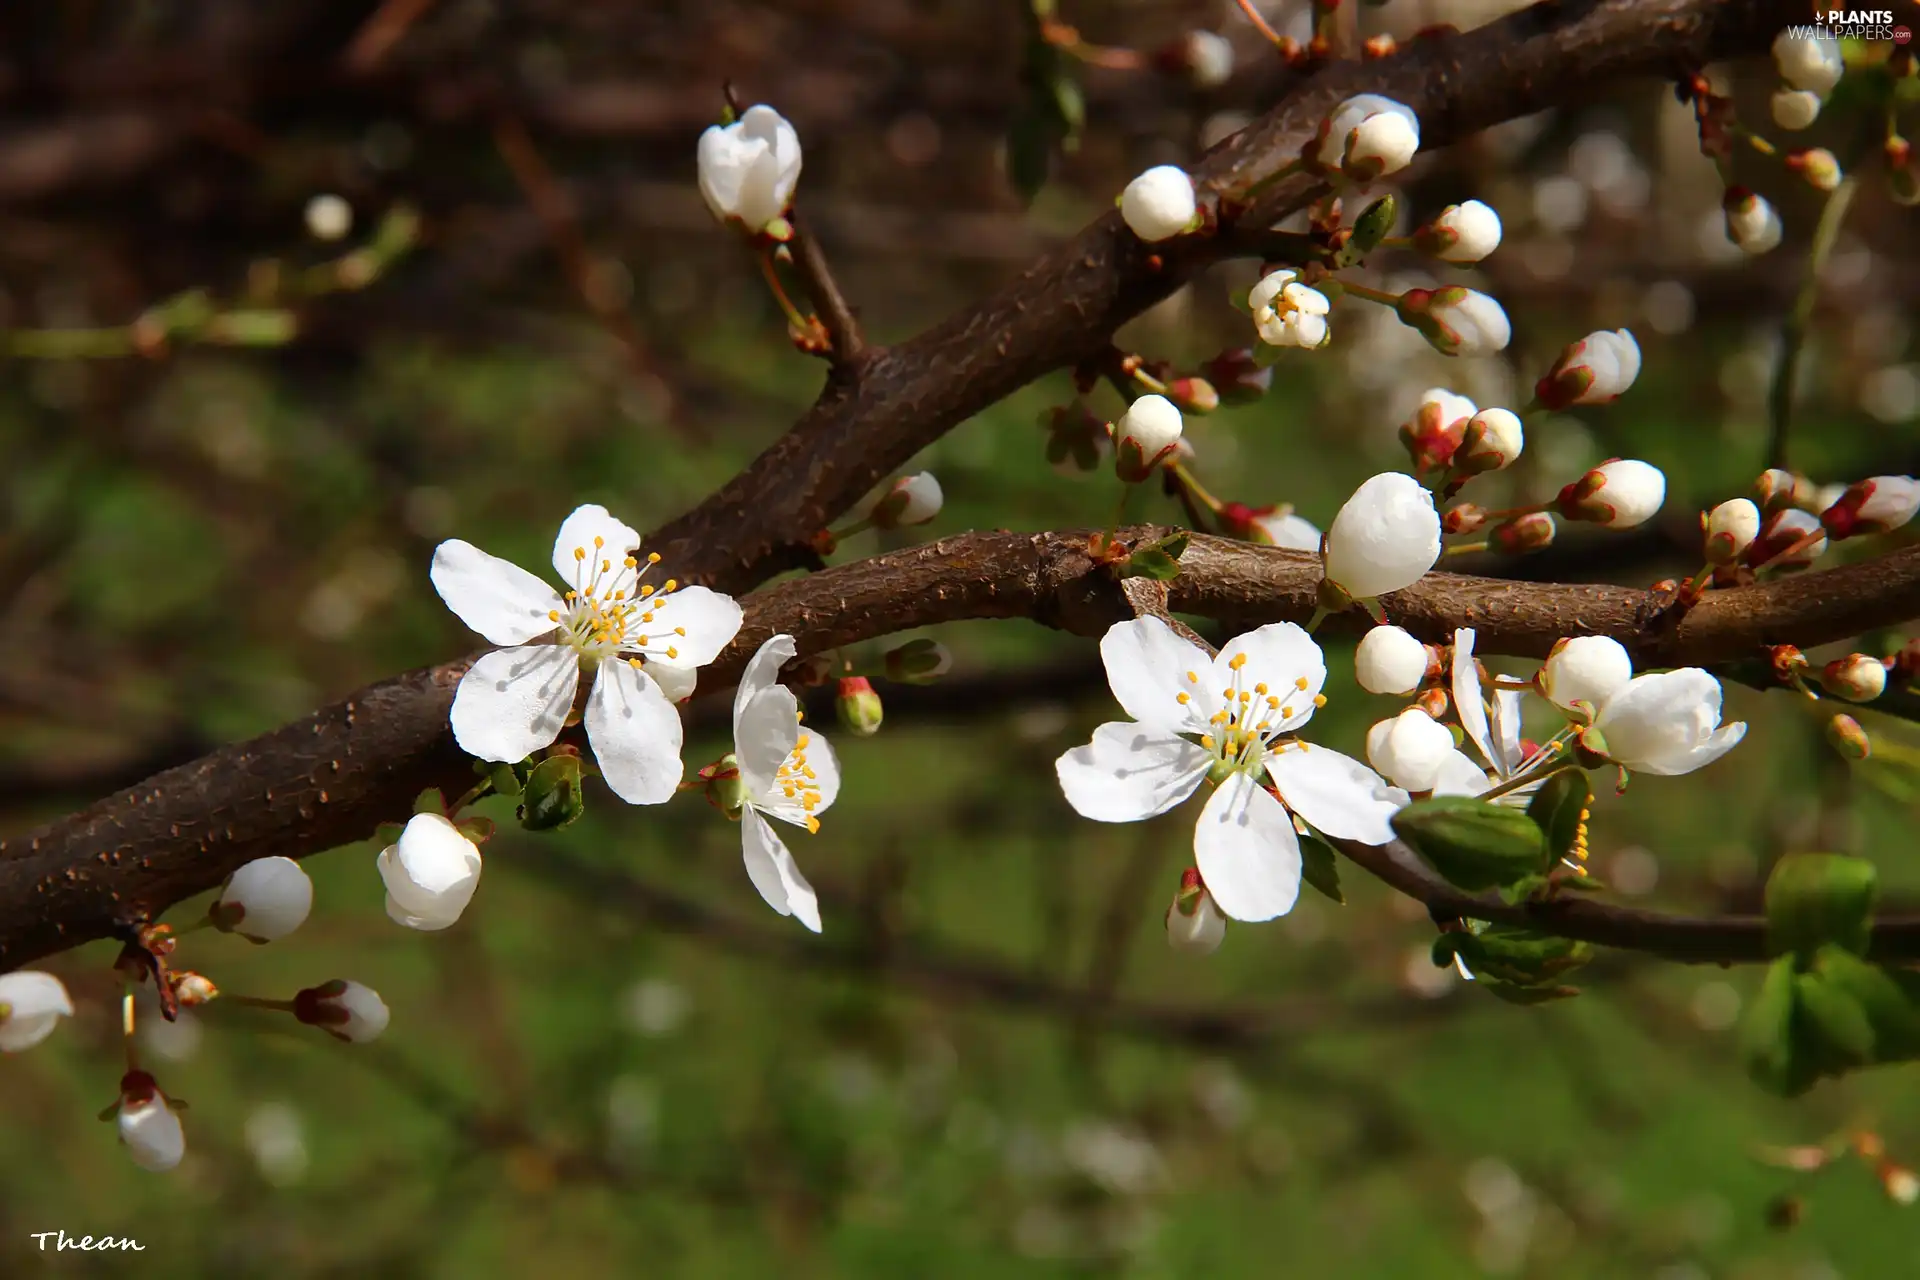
x=836, y=316
x=331, y=778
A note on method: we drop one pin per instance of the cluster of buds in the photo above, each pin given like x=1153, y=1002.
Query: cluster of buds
x=1618, y=494
x=1810, y=67
x=1433, y=434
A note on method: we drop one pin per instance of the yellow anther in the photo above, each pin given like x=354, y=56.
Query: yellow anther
x=619, y=595
x=579, y=553
x=800, y=743
x=1301, y=684
x=647, y=616
x=653, y=557
x=631, y=563
x=1273, y=703
x=1180, y=698
x=1238, y=661
x=634, y=663
x=646, y=591
x=553, y=615
x=639, y=639
x=598, y=542
x=813, y=825
x=606, y=566
x=1206, y=740
x=670, y=584
x=808, y=770
x=1261, y=687
x=1192, y=677
x=680, y=631
x=1245, y=697
x=1319, y=699
x=672, y=652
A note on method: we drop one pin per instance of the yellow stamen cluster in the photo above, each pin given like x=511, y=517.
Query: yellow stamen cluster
x=1248, y=719
x=797, y=781
x=600, y=620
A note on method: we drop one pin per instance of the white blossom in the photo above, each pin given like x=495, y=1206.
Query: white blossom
x=1587, y=669
x=748, y=169
x=640, y=646
x=1209, y=58
x=1368, y=136
x=344, y=1009
x=1410, y=749
x=31, y=1005
x=149, y=1129
x=1795, y=109
x=1808, y=62
x=912, y=500
x=1668, y=723
x=1596, y=369
x=1244, y=707
x=266, y=899
x=1731, y=528
x=430, y=872
x=1146, y=433
x=1617, y=494
x=1287, y=313
x=1752, y=223
x=1160, y=203
x=1390, y=660
x=784, y=773
x=1385, y=537
x=1462, y=232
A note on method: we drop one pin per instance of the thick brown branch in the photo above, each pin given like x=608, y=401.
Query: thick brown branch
x=330, y=779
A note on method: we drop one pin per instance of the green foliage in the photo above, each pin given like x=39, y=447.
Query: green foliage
x=553, y=798
x=1558, y=808
x=1476, y=844
x=1818, y=898
x=1159, y=561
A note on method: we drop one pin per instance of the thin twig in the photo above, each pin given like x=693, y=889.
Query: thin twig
x=1793, y=334
x=842, y=326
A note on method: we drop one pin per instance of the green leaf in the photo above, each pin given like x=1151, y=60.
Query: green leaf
x=1558, y=807
x=505, y=779
x=553, y=797
x=1817, y=898
x=1766, y=1037
x=1369, y=229
x=1474, y=843
x=1319, y=868
x=1890, y=1006
x=1832, y=1025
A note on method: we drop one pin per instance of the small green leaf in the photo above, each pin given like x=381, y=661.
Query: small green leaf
x=1369, y=229
x=1474, y=843
x=430, y=801
x=553, y=796
x=1817, y=898
x=1766, y=1036
x=1319, y=868
x=505, y=779
x=1838, y=1035
x=1889, y=1003
x=1150, y=562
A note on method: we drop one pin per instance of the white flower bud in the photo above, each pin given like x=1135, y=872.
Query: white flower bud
x=1457, y=321
x=1752, y=223
x=1209, y=59
x=1146, y=433
x=1795, y=109
x=913, y=499
x=1410, y=749
x=430, y=873
x=1808, y=63
x=1159, y=204
x=1779, y=544
x=1594, y=370
x=1731, y=528
x=1368, y=136
x=1385, y=537
x=748, y=169
x=1819, y=166
x=1587, y=669
x=1493, y=440
x=328, y=217
x=1825, y=496
x=344, y=1009
x=1618, y=494
x=266, y=899
x=1879, y=505
x=1287, y=313
x=149, y=1129
x=1390, y=660
x=1194, y=923
x=1856, y=677
x=31, y=1004
x=1288, y=530
x=1462, y=233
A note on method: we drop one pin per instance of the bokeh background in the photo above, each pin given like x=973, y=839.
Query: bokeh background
x=620, y=1063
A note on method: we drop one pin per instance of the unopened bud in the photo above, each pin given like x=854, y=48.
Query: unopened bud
x=1146, y=434
x=1617, y=494
x=1237, y=376
x=344, y=1009
x=1522, y=534
x=1792, y=539
x=1438, y=426
x=1903, y=666
x=1456, y=321
x=190, y=988
x=724, y=788
x=1463, y=517
x=1903, y=176
x=1205, y=56
x=1731, y=528
x=1901, y=1184
x=912, y=500
x=1848, y=738
x=1492, y=441
x=919, y=661
x=1433, y=701
x=1193, y=395
x=1194, y=923
x=1752, y=223
x=858, y=706
x=1776, y=490
x=1787, y=662
x=1879, y=505
x=1595, y=370
x=1820, y=167
x=1856, y=677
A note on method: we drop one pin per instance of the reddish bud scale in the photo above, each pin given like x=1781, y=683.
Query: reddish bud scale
x=312, y=1005
x=1463, y=517
x=137, y=1087
x=1523, y=534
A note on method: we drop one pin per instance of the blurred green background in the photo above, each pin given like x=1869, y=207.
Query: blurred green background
x=619, y=1062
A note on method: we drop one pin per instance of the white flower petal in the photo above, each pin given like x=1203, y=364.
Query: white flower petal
x=774, y=801
x=1129, y=772
x=35, y=1003
x=432, y=870
x=425, y=924
x=635, y=733
x=762, y=673
x=495, y=597
x=1468, y=701
x=1149, y=666
x=774, y=872
x=764, y=732
x=695, y=622
x=577, y=533
x=677, y=682
x=512, y=702
x=274, y=897
x=1460, y=776
x=1506, y=729
x=1247, y=852
x=152, y=1134
x=1717, y=744
x=1336, y=794
x=1283, y=657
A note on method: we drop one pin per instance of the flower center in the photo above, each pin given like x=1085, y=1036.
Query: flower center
x=610, y=612
x=1243, y=731
x=796, y=779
